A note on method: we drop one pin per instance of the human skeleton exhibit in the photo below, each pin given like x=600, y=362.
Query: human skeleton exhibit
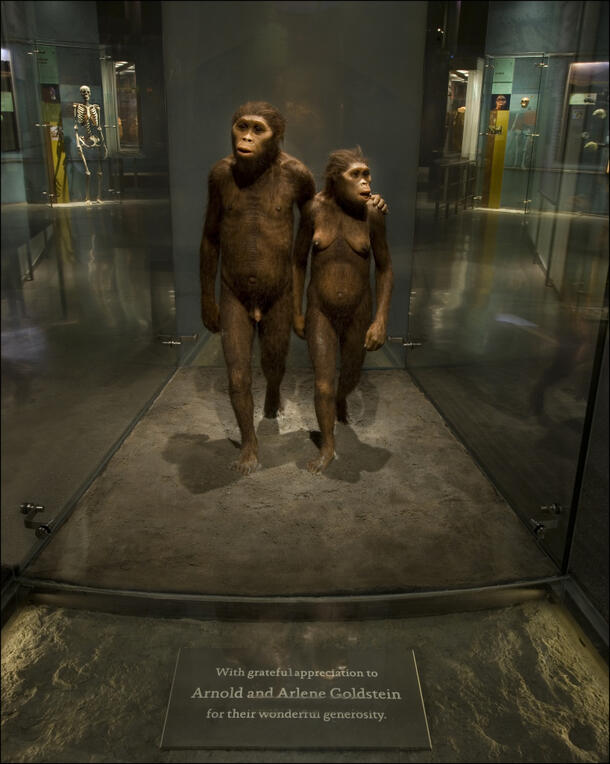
x=89, y=138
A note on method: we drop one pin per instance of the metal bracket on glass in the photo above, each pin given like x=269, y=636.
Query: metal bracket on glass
x=553, y=509
x=540, y=527
x=168, y=339
x=42, y=124
x=30, y=510
x=542, y=65
x=405, y=343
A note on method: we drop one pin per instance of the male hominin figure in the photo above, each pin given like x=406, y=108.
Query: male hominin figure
x=249, y=223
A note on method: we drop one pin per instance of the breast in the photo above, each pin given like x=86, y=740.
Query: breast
x=357, y=240
x=323, y=238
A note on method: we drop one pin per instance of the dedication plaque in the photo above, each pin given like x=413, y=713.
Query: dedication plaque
x=242, y=698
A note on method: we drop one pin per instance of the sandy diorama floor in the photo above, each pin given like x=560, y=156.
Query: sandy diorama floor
x=519, y=684
x=402, y=508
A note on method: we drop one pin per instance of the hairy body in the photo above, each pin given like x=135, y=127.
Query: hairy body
x=253, y=226
x=249, y=225
x=343, y=229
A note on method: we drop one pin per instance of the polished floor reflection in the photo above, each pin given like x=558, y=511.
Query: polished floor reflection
x=507, y=352
x=83, y=302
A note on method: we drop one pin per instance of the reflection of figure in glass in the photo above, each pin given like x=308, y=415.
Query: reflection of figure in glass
x=89, y=137
x=345, y=228
x=572, y=359
x=519, y=141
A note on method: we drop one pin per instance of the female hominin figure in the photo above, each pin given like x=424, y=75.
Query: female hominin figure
x=341, y=228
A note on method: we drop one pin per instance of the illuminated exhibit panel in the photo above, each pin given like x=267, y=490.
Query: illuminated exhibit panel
x=127, y=107
x=10, y=138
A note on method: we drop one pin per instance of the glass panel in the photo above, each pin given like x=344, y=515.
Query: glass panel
x=486, y=136
x=26, y=230
x=24, y=160
x=546, y=170
x=509, y=111
x=87, y=292
x=508, y=314
x=522, y=132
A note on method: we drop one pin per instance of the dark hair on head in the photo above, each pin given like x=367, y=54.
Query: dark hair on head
x=263, y=109
x=338, y=162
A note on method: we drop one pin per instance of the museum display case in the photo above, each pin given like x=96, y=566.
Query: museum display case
x=116, y=412
x=465, y=471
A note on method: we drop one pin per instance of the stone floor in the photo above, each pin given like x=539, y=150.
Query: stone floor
x=518, y=684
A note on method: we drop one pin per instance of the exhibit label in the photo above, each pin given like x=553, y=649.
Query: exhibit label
x=234, y=698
